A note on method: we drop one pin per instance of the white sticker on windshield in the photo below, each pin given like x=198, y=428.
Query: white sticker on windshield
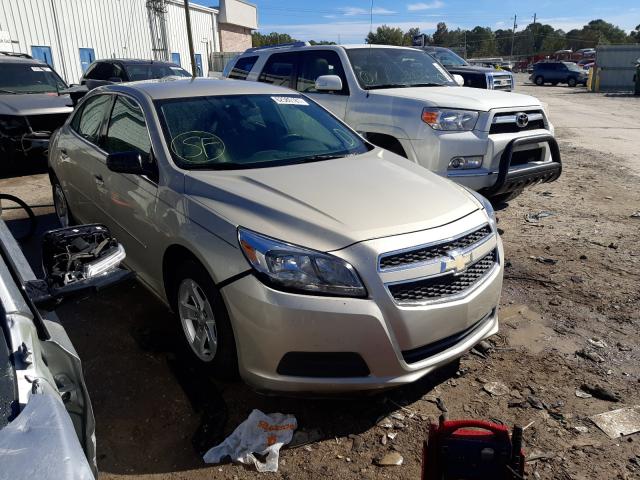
x=440, y=69
x=289, y=100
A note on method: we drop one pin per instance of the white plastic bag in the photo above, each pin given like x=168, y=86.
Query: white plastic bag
x=260, y=433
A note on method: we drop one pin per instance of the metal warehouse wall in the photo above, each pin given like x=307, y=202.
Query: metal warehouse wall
x=616, y=66
x=113, y=28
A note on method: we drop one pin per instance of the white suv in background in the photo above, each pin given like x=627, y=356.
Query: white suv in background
x=402, y=99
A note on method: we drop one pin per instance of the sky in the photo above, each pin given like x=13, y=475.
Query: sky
x=348, y=21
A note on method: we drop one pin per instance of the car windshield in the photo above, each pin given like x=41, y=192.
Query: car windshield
x=449, y=58
x=573, y=66
x=153, y=71
x=29, y=78
x=252, y=131
x=396, y=68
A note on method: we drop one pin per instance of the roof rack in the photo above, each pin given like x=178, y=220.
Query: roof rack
x=14, y=54
x=279, y=45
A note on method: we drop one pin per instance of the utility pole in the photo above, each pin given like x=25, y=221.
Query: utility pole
x=465, y=44
x=533, y=47
x=513, y=38
x=187, y=14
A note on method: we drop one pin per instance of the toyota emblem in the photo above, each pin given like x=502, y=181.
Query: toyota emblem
x=522, y=119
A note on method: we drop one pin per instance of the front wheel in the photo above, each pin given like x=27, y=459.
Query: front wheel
x=572, y=82
x=539, y=80
x=205, y=329
x=60, y=204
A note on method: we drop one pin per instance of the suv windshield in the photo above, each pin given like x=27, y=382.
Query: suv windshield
x=153, y=71
x=396, y=67
x=29, y=78
x=250, y=131
x=449, y=58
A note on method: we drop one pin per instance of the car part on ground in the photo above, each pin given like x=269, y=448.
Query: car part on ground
x=260, y=219
x=458, y=133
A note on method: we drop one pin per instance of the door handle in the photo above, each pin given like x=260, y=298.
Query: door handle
x=99, y=180
x=63, y=154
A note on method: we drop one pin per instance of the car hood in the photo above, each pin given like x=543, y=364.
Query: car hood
x=465, y=98
x=472, y=69
x=34, y=104
x=331, y=204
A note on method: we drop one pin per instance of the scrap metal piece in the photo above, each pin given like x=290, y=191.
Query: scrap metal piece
x=617, y=423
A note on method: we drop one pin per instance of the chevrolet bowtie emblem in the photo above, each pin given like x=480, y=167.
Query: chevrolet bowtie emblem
x=457, y=262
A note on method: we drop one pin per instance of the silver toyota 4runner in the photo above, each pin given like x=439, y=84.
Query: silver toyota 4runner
x=403, y=100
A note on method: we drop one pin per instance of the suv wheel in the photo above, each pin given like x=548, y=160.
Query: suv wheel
x=60, y=204
x=539, y=80
x=205, y=329
x=572, y=82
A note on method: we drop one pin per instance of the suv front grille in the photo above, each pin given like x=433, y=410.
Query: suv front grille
x=502, y=81
x=443, y=286
x=505, y=122
x=432, y=252
x=48, y=122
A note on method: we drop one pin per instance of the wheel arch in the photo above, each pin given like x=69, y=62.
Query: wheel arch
x=388, y=142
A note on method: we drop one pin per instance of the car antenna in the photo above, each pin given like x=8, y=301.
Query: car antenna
x=370, y=32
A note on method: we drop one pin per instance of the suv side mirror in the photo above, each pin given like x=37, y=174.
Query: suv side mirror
x=328, y=83
x=76, y=260
x=459, y=79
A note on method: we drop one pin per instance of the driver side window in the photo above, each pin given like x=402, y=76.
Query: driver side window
x=88, y=121
x=314, y=64
x=127, y=128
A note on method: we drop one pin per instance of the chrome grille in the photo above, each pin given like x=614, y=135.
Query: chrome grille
x=502, y=82
x=505, y=122
x=432, y=252
x=443, y=286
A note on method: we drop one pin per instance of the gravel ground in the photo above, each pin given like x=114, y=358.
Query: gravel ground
x=572, y=284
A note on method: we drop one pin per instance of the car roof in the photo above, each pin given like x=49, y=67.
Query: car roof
x=9, y=58
x=295, y=48
x=167, y=88
x=136, y=61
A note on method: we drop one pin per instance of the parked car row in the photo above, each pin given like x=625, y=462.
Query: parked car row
x=558, y=72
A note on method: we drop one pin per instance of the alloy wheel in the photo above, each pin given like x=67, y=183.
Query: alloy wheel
x=197, y=319
x=61, y=207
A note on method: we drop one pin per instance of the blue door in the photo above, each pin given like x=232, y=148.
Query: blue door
x=42, y=53
x=87, y=56
x=175, y=58
x=199, y=64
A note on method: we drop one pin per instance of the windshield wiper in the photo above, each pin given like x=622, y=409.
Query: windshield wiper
x=388, y=85
x=324, y=156
x=427, y=85
x=2, y=90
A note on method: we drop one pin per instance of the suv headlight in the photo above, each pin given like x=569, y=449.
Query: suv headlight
x=450, y=120
x=293, y=268
x=13, y=125
x=487, y=207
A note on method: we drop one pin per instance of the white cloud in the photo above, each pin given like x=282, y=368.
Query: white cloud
x=353, y=11
x=345, y=31
x=416, y=7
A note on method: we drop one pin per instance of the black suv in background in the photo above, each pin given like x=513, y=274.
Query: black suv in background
x=474, y=76
x=116, y=70
x=558, y=72
x=31, y=108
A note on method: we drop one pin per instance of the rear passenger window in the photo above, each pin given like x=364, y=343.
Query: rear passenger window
x=314, y=64
x=127, y=128
x=279, y=70
x=242, y=68
x=87, y=122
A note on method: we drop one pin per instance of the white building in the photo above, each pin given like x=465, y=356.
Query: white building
x=70, y=34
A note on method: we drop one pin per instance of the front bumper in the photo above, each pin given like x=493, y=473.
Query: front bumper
x=398, y=344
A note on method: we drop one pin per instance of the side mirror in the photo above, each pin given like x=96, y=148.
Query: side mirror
x=459, y=79
x=127, y=162
x=328, y=83
x=75, y=92
x=76, y=260
x=115, y=79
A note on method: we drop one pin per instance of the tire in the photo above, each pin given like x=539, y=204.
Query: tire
x=539, y=80
x=61, y=206
x=572, y=82
x=202, y=322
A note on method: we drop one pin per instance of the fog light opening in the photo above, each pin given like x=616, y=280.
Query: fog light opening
x=464, y=163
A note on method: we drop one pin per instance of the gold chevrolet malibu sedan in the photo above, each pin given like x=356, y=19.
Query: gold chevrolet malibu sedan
x=290, y=249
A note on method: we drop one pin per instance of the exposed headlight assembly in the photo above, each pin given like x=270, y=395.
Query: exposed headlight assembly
x=292, y=268
x=13, y=125
x=450, y=120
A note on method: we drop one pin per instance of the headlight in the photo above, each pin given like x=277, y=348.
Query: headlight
x=450, y=120
x=294, y=268
x=12, y=125
x=487, y=207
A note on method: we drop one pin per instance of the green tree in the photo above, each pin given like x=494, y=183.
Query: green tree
x=441, y=34
x=321, y=42
x=634, y=37
x=385, y=35
x=407, y=38
x=273, y=38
